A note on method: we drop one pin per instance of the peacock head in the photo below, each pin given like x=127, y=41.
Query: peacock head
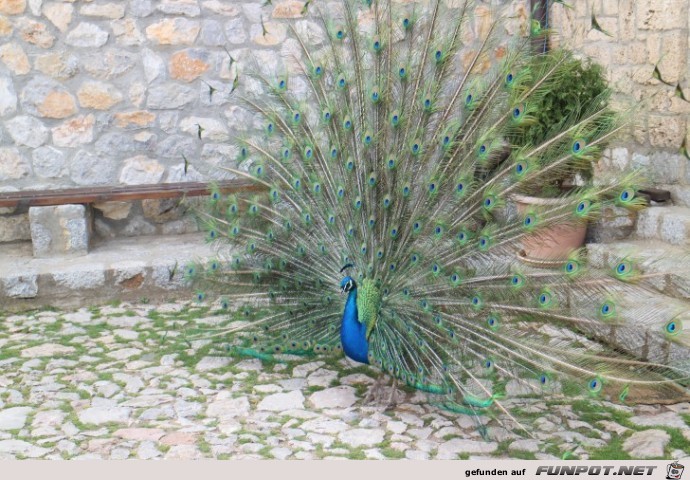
x=347, y=284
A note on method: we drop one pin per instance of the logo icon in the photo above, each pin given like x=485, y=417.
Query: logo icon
x=674, y=471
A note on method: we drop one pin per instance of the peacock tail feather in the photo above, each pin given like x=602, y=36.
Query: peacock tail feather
x=394, y=153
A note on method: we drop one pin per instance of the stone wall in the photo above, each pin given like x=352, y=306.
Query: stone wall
x=108, y=93
x=640, y=34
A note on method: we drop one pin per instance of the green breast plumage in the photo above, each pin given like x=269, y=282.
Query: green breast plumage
x=368, y=304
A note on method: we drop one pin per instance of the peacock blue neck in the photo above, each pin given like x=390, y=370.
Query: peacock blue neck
x=352, y=332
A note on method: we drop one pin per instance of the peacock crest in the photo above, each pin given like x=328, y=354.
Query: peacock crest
x=390, y=159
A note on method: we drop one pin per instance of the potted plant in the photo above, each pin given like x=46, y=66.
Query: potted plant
x=565, y=102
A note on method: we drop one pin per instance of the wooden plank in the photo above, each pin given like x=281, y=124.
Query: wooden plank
x=656, y=194
x=35, y=198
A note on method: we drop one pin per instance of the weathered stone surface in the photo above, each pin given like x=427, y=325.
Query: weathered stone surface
x=272, y=33
x=14, y=58
x=114, y=210
x=110, y=63
x=235, y=31
x=189, y=65
x=14, y=228
x=5, y=26
x=117, y=142
x=212, y=363
x=162, y=210
x=105, y=414
x=47, y=350
x=212, y=34
x=675, y=227
x=137, y=226
x=666, y=419
x=141, y=170
x=189, y=8
x=211, y=129
x=362, y=437
x=8, y=97
x=322, y=378
x=20, y=447
x=34, y=32
x=60, y=14
x=459, y=445
x=87, y=35
x=59, y=65
x=13, y=165
x=221, y=8
x=525, y=445
x=12, y=7
x=135, y=119
x=74, y=132
x=141, y=8
x=650, y=15
x=228, y=407
x=127, y=32
x=324, y=426
x=60, y=230
x=336, y=397
x=139, y=434
x=27, y=131
x=44, y=97
x=13, y=418
x=647, y=444
x=98, y=95
x=89, y=169
x=112, y=11
x=175, y=146
x=279, y=402
x=22, y=286
x=288, y=9
x=124, y=353
x=170, y=95
x=178, y=31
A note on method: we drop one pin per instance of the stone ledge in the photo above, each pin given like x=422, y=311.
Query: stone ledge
x=120, y=269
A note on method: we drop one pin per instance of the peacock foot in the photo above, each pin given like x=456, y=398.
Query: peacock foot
x=381, y=395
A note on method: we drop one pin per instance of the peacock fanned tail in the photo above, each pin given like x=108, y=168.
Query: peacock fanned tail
x=394, y=150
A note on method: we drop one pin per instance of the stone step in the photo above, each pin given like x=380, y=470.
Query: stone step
x=669, y=224
x=649, y=257
x=120, y=269
x=640, y=326
x=642, y=332
x=680, y=194
x=657, y=168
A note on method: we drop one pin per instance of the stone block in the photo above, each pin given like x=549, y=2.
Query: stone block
x=60, y=230
x=114, y=210
x=680, y=194
x=616, y=223
x=660, y=167
x=21, y=286
x=14, y=228
x=675, y=227
x=648, y=221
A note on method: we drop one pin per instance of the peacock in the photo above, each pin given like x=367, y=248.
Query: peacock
x=383, y=225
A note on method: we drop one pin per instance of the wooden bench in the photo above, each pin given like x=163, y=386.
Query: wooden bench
x=86, y=195
x=60, y=220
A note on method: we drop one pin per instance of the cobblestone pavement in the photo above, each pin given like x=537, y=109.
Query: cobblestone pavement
x=117, y=382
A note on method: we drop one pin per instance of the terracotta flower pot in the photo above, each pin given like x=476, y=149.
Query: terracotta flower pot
x=549, y=246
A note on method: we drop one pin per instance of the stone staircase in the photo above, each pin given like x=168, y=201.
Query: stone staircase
x=657, y=241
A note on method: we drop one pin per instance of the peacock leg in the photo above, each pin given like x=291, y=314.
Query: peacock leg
x=374, y=392
x=391, y=398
